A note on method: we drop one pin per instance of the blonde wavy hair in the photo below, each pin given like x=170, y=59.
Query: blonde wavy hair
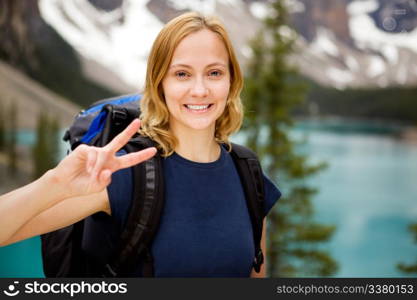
x=154, y=112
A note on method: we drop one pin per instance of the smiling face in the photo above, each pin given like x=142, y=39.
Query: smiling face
x=196, y=85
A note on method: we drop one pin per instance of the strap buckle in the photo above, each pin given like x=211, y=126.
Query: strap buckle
x=119, y=116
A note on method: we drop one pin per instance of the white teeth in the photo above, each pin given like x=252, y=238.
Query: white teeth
x=197, y=107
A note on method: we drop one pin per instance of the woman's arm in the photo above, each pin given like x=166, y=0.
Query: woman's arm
x=21, y=205
x=86, y=171
x=262, y=273
x=62, y=214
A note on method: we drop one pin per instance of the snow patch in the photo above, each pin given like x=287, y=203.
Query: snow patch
x=323, y=43
x=365, y=33
x=376, y=66
x=121, y=48
x=286, y=32
x=340, y=77
x=259, y=10
x=202, y=6
x=352, y=63
x=362, y=7
x=231, y=2
x=391, y=53
x=295, y=6
x=247, y=51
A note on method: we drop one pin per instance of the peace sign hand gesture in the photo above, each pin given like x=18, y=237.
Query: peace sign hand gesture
x=88, y=169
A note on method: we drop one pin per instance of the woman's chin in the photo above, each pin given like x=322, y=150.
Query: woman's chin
x=200, y=125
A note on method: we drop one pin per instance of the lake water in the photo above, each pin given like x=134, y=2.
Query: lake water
x=369, y=191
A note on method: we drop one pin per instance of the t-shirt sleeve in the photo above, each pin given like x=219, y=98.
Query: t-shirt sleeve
x=120, y=194
x=272, y=194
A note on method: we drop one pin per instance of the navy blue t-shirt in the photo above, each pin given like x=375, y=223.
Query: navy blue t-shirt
x=205, y=228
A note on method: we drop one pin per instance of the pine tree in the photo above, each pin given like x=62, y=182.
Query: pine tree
x=411, y=268
x=272, y=91
x=53, y=142
x=45, y=150
x=11, y=144
x=40, y=151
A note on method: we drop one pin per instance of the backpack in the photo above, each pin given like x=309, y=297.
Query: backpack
x=62, y=252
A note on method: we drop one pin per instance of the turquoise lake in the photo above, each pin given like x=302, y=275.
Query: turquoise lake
x=369, y=191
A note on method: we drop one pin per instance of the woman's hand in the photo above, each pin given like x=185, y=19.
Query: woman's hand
x=88, y=169
x=31, y=209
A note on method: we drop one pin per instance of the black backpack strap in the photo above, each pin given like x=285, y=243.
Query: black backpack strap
x=76, y=133
x=117, y=119
x=250, y=172
x=144, y=216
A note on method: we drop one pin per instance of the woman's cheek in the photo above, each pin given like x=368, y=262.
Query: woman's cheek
x=223, y=90
x=173, y=90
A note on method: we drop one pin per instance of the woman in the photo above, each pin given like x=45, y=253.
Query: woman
x=190, y=107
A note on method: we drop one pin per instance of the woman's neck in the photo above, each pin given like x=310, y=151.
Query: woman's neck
x=196, y=145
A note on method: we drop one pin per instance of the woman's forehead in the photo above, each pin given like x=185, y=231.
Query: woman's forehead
x=201, y=46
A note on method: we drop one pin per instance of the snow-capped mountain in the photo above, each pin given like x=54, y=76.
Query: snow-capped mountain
x=358, y=42
x=341, y=42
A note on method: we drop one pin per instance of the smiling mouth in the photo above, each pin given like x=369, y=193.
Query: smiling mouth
x=198, y=108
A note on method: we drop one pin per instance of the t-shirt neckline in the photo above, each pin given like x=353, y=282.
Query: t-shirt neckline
x=202, y=165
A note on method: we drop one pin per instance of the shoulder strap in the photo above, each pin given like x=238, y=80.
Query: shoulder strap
x=109, y=116
x=111, y=120
x=118, y=118
x=144, y=216
x=250, y=172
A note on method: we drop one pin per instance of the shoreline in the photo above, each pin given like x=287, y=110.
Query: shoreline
x=389, y=123
x=403, y=131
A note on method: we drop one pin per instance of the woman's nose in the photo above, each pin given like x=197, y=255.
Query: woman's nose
x=199, y=89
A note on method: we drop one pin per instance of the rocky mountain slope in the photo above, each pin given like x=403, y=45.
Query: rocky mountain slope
x=29, y=44
x=341, y=42
x=31, y=98
x=91, y=49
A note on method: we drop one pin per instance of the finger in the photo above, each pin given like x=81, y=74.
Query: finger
x=91, y=159
x=122, y=138
x=134, y=158
x=103, y=156
x=105, y=177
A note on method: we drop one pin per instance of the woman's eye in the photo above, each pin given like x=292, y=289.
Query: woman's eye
x=181, y=74
x=215, y=73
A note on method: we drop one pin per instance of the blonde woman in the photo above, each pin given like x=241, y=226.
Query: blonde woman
x=190, y=107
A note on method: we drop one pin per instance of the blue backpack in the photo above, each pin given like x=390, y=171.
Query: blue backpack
x=62, y=251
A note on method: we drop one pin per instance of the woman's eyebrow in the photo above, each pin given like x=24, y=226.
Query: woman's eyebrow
x=180, y=65
x=217, y=64
x=189, y=67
